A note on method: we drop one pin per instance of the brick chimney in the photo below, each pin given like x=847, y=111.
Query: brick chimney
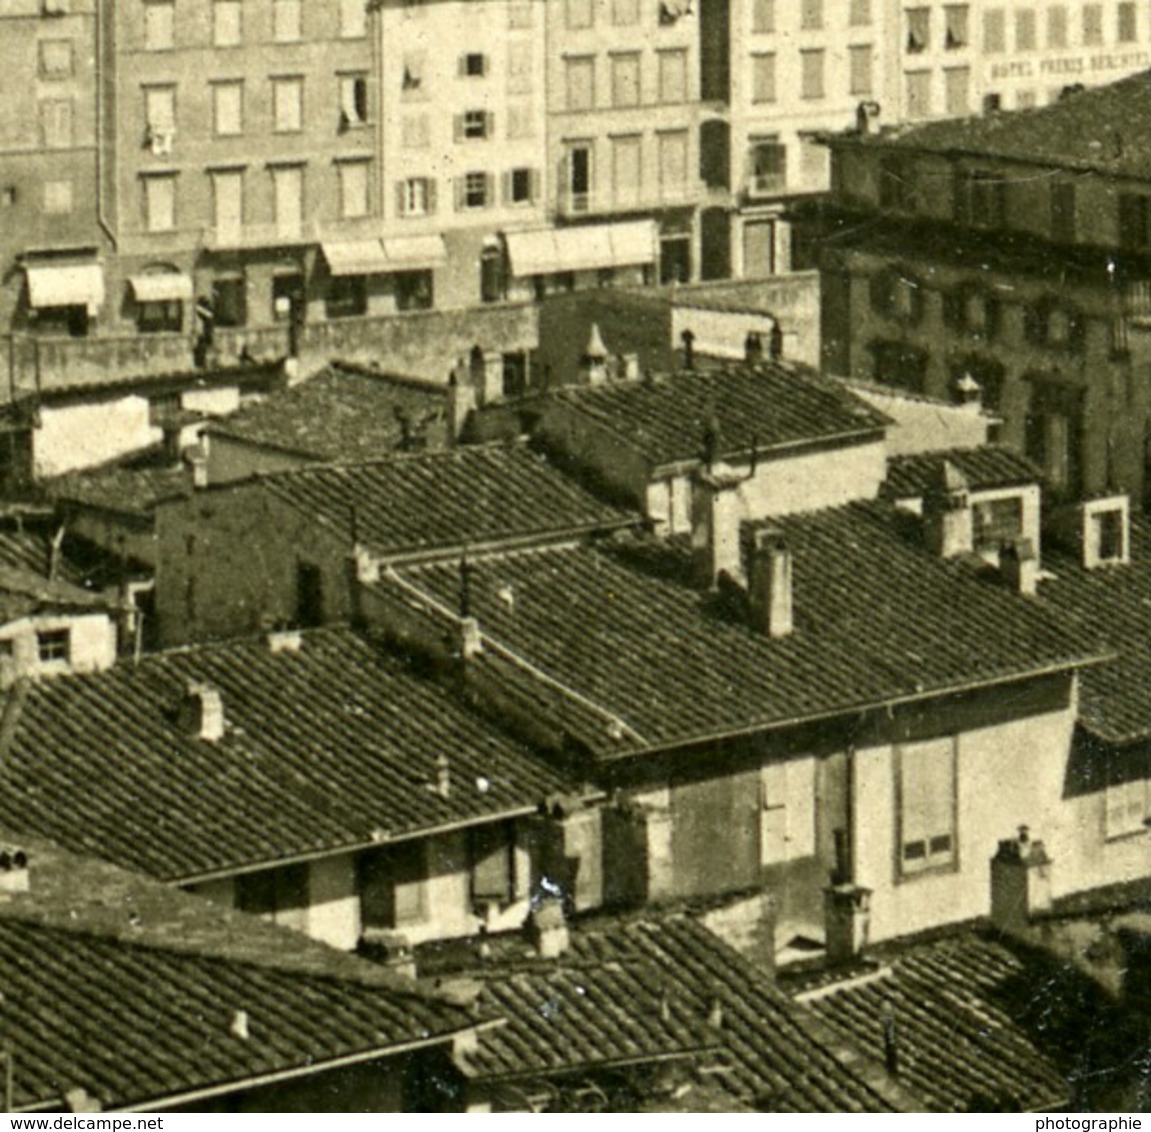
x=471, y=640
x=1019, y=565
x=847, y=921
x=948, y=526
x=593, y=361
x=197, y=458
x=1020, y=882
x=202, y=712
x=969, y=392
x=769, y=583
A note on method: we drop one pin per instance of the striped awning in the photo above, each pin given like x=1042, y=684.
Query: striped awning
x=356, y=257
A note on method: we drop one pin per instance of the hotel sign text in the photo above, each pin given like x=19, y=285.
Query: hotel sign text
x=1071, y=65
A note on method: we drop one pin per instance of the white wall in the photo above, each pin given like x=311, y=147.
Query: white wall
x=923, y=425
x=1007, y=775
x=91, y=646
x=334, y=908
x=83, y=435
x=783, y=486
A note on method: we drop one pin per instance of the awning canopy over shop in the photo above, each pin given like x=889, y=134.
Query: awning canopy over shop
x=356, y=257
x=413, y=253
x=161, y=287
x=71, y=285
x=588, y=247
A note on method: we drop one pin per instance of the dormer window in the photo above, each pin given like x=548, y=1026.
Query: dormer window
x=1106, y=527
x=997, y=521
x=54, y=646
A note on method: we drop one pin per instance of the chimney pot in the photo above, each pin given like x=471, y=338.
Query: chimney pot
x=443, y=776
x=239, y=1027
x=753, y=347
x=547, y=928
x=770, y=584
x=969, y=391
x=202, y=712
x=471, y=639
x=688, y=340
x=593, y=361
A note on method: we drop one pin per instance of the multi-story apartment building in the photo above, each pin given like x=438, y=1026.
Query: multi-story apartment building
x=463, y=137
x=49, y=223
x=953, y=59
x=1012, y=250
x=791, y=72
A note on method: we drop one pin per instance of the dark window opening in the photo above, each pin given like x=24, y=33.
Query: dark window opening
x=1053, y=435
x=54, y=644
x=273, y=891
x=160, y=318
x=900, y=365
x=491, y=275
x=309, y=595
x=229, y=302
x=491, y=850
x=414, y=290
x=997, y=521
x=675, y=259
x=347, y=296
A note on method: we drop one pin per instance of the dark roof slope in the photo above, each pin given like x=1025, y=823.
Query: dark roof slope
x=987, y=466
x=125, y=491
x=328, y=747
x=340, y=414
x=1111, y=605
x=617, y=649
x=771, y=405
x=441, y=500
x=127, y=989
x=30, y=550
x=1104, y=128
x=978, y=1024
x=636, y=990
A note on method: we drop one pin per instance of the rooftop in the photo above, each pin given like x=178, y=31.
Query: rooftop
x=643, y=989
x=767, y=406
x=1104, y=129
x=344, y=413
x=327, y=747
x=1111, y=605
x=128, y=990
x=980, y=1025
x=617, y=649
x=121, y=490
x=984, y=467
x=430, y=501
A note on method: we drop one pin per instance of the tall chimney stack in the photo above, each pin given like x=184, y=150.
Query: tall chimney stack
x=461, y=400
x=947, y=518
x=769, y=584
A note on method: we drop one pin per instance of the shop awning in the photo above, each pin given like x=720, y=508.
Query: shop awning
x=413, y=253
x=356, y=257
x=588, y=247
x=163, y=287
x=73, y=285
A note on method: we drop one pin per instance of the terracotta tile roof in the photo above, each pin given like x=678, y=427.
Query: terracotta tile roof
x=766, y=406
x=126, y=491
x=23, y=592
x=977, y=1023
x=30, y=550
x=1110, y=605
x=342, y=414
x=441, y=500
x=127, y=989
x=1104, y=129
x=984, y=467
x=246, y=375
x=615, y=648
x=601, y=1002
x=332, y=746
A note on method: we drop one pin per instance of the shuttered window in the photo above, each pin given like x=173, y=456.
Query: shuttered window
x=927, y=832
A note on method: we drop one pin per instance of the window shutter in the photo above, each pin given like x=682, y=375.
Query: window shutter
x=508, y=179
x=462, y=66
x=489, y=125
x=401, y=199
x=431, y=194
x=534, y=184
x=458, y=127
x=461, y=193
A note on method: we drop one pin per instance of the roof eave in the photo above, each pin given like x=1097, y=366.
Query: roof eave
x=852, y=709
